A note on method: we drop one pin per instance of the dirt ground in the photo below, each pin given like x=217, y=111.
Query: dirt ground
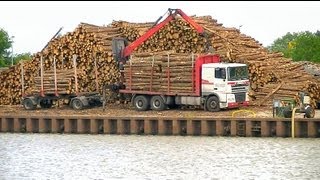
x=125, y=110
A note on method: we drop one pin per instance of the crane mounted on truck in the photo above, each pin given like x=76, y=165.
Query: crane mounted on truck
x=216, y=85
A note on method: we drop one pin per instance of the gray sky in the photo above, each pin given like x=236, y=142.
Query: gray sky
x=34, y=23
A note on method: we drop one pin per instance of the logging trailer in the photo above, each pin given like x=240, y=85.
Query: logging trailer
x=215, y=85
x=45, y=96
x=50, y=91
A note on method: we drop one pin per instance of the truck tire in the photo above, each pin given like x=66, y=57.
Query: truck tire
x=28, y=104
x=77, y=104
x=157, y=103
x=212, y=104
x=309, y=112
x=141, y=103
x=45, y=103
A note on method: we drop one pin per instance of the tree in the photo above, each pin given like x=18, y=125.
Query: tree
x=6, y=56
x=5, y=44
x=301, y=46
x=307, y=47
x=281, y=44
x=23, y=56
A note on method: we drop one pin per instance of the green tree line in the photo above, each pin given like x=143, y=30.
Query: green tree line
x=6, y=55
x=300, y=46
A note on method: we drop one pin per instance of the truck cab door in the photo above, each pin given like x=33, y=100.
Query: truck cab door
x=220, y=85
x=214, y=81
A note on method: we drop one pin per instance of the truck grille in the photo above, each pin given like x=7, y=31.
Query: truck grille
x=240, y=97
x=238, y=88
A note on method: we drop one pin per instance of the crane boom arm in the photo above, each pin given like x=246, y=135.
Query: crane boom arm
x=199, y=28
x=129, y=49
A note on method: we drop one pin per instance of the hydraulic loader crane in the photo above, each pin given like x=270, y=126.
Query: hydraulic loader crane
x=122, y=50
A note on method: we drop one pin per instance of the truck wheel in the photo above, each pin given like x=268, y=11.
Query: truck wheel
x=45, y=103
x=310, y=112
x=28, y=104
x=157, y=103
x=77, y=104
x=212, y=104
x=141, y=103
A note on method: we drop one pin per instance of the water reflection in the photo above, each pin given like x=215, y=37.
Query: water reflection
x=56, y=156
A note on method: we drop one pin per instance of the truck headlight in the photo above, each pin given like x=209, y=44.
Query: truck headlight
x=231, y=98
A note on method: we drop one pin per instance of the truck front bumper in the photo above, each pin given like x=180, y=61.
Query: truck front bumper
x=237, y=104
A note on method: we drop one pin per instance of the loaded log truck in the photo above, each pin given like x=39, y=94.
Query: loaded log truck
x=215, y=85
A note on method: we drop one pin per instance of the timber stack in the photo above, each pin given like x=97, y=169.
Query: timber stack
x=63, y=79
x=271, y=74
x=11, y=84
x=91, y=44
x=149, y=72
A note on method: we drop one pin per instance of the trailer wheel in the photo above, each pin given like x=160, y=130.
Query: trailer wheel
x=141, y=103
x=77, y=104
x=28, y=104
x=157, y=103
x=212, y=104
x=309, y=112
x=45, y=103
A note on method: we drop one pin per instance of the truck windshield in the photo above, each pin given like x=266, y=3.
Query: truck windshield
x=237, y=73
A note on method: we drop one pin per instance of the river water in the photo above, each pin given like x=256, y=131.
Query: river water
x=71, y=156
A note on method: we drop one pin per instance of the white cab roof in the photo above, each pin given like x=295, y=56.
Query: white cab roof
x=222, y=65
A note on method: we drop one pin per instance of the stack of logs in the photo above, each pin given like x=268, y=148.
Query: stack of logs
x=11, y=83
x=162, y=72
x=60, y=82
x=91, y=44
x=177, y=36
x=271, y=75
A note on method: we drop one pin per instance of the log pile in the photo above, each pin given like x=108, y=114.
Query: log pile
x=170, y=73
x=91, y=44
x=3, y=69
x=131, y=31
x=64, y=80
x=177, y=35
x=11, y=82
x=271, y=75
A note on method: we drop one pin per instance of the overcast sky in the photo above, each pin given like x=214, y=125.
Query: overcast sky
x=34, y=23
